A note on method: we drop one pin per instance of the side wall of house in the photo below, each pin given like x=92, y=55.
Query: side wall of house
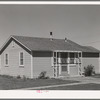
x=13, y=68
x=42, y=62
x=91, y=58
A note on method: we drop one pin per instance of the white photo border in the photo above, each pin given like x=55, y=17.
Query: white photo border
x=34, y=94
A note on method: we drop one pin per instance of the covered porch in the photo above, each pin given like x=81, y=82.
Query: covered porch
x=67, y=63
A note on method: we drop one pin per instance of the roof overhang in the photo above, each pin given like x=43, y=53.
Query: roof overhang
x=66, y=51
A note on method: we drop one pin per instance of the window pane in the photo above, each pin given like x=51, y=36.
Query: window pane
x=21, y=62
x=76, y=55
x=64, y=55
x=57, y=54
x=79, y=54
x=64, y=68
x=21, y=55
x=54, y=54
x=6, y=56
x=72, y=55
x=6, y=59
x=21, y=58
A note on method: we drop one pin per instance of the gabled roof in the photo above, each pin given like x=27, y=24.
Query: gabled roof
x=44, y=44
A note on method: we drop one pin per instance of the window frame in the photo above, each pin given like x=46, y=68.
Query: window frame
x=5, y=59
x=20, y=58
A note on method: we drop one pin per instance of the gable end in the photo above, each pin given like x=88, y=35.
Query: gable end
x=17, y=42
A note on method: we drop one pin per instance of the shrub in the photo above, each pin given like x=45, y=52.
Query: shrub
x=18, y=77
x=89, y=70
x=24, y=78
x=6, y=76
x=42, y=75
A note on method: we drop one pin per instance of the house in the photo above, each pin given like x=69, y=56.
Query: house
x=29, y=56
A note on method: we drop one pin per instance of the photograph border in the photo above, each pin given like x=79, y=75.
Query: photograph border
x=30, y=94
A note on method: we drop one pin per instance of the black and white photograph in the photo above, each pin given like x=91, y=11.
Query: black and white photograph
x=49, y=47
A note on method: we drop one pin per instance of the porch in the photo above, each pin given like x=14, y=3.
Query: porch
x=67, y=63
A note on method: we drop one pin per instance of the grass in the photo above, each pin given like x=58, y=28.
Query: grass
x=96, y=76
x=7, y=83
x=89, y=86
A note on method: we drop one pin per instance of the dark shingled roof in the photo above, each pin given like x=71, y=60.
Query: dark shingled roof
x=44, y=44
x=90, y=49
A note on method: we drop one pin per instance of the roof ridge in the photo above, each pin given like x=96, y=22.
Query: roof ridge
x=41, y=38
x=37, y=37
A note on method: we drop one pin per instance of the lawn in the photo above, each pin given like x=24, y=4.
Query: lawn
x=7, y=83
x=89, y=86
x=96, y=76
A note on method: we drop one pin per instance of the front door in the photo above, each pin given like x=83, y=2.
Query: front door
x=64, y=70
x=73, y=69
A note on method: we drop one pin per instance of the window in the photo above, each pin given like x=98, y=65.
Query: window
x=64, y=68
x=64, y=55
x=21, y=57
x=6, y=59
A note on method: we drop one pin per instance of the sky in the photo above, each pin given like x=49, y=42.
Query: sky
x=79, y=23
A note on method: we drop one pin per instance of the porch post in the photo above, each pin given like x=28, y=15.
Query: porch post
x=78, y=64
x=99, y=62
x=31, y=64
x=81, y=63
x=56, y=64
x=59, y=63
x=68, y=63
x=53, y=62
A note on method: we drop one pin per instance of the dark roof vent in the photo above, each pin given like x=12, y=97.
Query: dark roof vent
x=65, y=39
x=51, y=36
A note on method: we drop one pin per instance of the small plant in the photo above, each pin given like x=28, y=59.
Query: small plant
x=7, y=76
x=24, y=78
x=42, y=75
x=89, y=70
x=18, y=77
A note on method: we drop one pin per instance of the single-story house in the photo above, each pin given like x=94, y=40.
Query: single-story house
x=29, y=56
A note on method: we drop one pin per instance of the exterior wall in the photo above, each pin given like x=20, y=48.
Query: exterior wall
x=73, y=70
x=89, y=59
x=14, y=69
x=93, y=61
x=42, y=62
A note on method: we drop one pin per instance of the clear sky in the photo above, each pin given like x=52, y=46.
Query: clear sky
x=79, y=23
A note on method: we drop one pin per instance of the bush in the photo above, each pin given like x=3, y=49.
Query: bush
x=89, y=70
x=42, y=75
x=6, y=76
x=24, y=78
x=18, y=77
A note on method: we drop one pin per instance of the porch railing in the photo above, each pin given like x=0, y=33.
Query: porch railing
x=67, y=61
